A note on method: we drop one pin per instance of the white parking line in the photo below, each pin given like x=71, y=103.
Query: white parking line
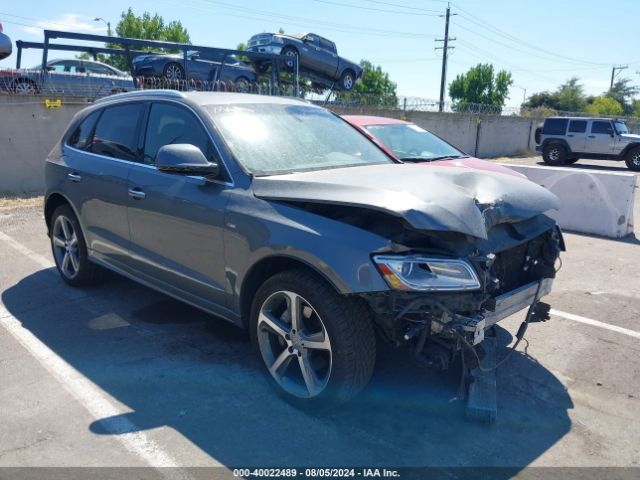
x=41, y=260
x=595, y=323
x=95, y=400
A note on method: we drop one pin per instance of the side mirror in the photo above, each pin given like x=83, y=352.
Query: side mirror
x=610, y=131
x=194, y=56
x=186, y=159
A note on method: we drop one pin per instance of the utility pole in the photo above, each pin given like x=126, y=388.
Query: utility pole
x=613, y=72
x=445, y=50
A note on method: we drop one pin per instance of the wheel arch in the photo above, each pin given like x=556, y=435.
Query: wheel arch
x=553, y=141
x=628, y=148
x=53, y=201
x=266, y=268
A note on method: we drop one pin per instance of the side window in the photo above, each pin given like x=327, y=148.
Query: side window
x=600, y=127
x=555, y=126
x=327, y=45
x=99, y=69
x=578, y=126
x=82, y=135
x=311, y=40
x=169, y=124
x=117, y=132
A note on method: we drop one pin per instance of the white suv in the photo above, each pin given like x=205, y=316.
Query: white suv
x=565, y=140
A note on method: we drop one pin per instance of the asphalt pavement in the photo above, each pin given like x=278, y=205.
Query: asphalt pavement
x=119, y=375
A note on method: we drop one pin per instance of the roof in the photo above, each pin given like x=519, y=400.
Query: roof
x=365, y=120
x=205, y=98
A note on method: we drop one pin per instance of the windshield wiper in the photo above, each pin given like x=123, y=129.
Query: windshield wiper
x=432, y=159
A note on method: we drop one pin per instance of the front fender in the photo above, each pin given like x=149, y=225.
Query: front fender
x=257, y=229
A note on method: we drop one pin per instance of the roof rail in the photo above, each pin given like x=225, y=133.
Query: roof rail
x=142, y=93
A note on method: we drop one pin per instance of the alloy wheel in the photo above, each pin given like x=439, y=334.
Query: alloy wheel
x=290, y=53
x=294, y=344
x=554, y=154
x=25, y=88
x=173, y=72
x=347, y=83
x=635, y=159
x=65, y=246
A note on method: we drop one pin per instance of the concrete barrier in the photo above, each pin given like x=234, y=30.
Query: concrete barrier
x=599, y=203
x=28, y=131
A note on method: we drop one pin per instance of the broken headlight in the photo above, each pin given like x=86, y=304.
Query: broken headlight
x=427, y=274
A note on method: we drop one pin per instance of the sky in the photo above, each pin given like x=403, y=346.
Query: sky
x=542, y=42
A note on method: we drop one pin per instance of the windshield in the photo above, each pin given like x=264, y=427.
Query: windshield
x=621, y=127
x=269, y=139
x=409, y=142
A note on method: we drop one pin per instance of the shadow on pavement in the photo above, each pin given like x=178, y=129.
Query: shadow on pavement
x=175, y=366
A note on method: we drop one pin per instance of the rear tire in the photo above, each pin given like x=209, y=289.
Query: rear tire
x=24, y=86
x=340, y=368
x=632, y=159
x=70, y=249
x=554, y=154
x=347, y=80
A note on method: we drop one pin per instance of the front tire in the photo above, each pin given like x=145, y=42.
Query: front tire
x=555, y=154
x=632, y=159
x=290, y=52
x=70, y=249
x=317, y=346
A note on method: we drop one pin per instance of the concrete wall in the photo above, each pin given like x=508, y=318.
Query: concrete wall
x=28, y=131
x=479, y=135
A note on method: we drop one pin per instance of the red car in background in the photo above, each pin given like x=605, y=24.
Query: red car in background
x=407, y=142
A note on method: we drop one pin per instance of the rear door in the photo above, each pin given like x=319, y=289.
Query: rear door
x=99, y=155
x=577, y=135
x=177, y=221
x=327, y=57
x=600, y=139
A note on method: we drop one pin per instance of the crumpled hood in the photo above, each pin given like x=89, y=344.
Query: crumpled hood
x=435, y=198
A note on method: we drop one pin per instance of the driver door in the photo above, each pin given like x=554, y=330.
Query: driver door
x=600, y=138
x=176, y=221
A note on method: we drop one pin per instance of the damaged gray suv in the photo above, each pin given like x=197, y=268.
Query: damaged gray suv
x=281, y=218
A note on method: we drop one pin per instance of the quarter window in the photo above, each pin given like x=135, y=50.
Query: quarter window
x=81, y=137
x=600, y=127
x=578, y=126
x=117, y=132
x=169, y=125
x=555, y=126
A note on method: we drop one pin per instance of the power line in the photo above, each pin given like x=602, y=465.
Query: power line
x=301, y=21
x=406, y=6
x=359, y=7
x=496, y=31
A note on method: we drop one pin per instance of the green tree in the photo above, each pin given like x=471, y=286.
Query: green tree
x=145, y=27
x=567, y=97
x=623, y=93
x=604, y=106
x=480, y=85
x=376, y=85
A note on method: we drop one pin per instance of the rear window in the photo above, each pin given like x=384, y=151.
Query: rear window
x=555, y=126
x=578, y=126
x=117, y=132
x=82, y=135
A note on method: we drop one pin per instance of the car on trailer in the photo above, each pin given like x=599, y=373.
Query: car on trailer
x=317, y=57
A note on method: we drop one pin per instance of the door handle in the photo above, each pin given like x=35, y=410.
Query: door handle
x=592, y=136
x=73, y=177
x=570, y=136
x=137, y=194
